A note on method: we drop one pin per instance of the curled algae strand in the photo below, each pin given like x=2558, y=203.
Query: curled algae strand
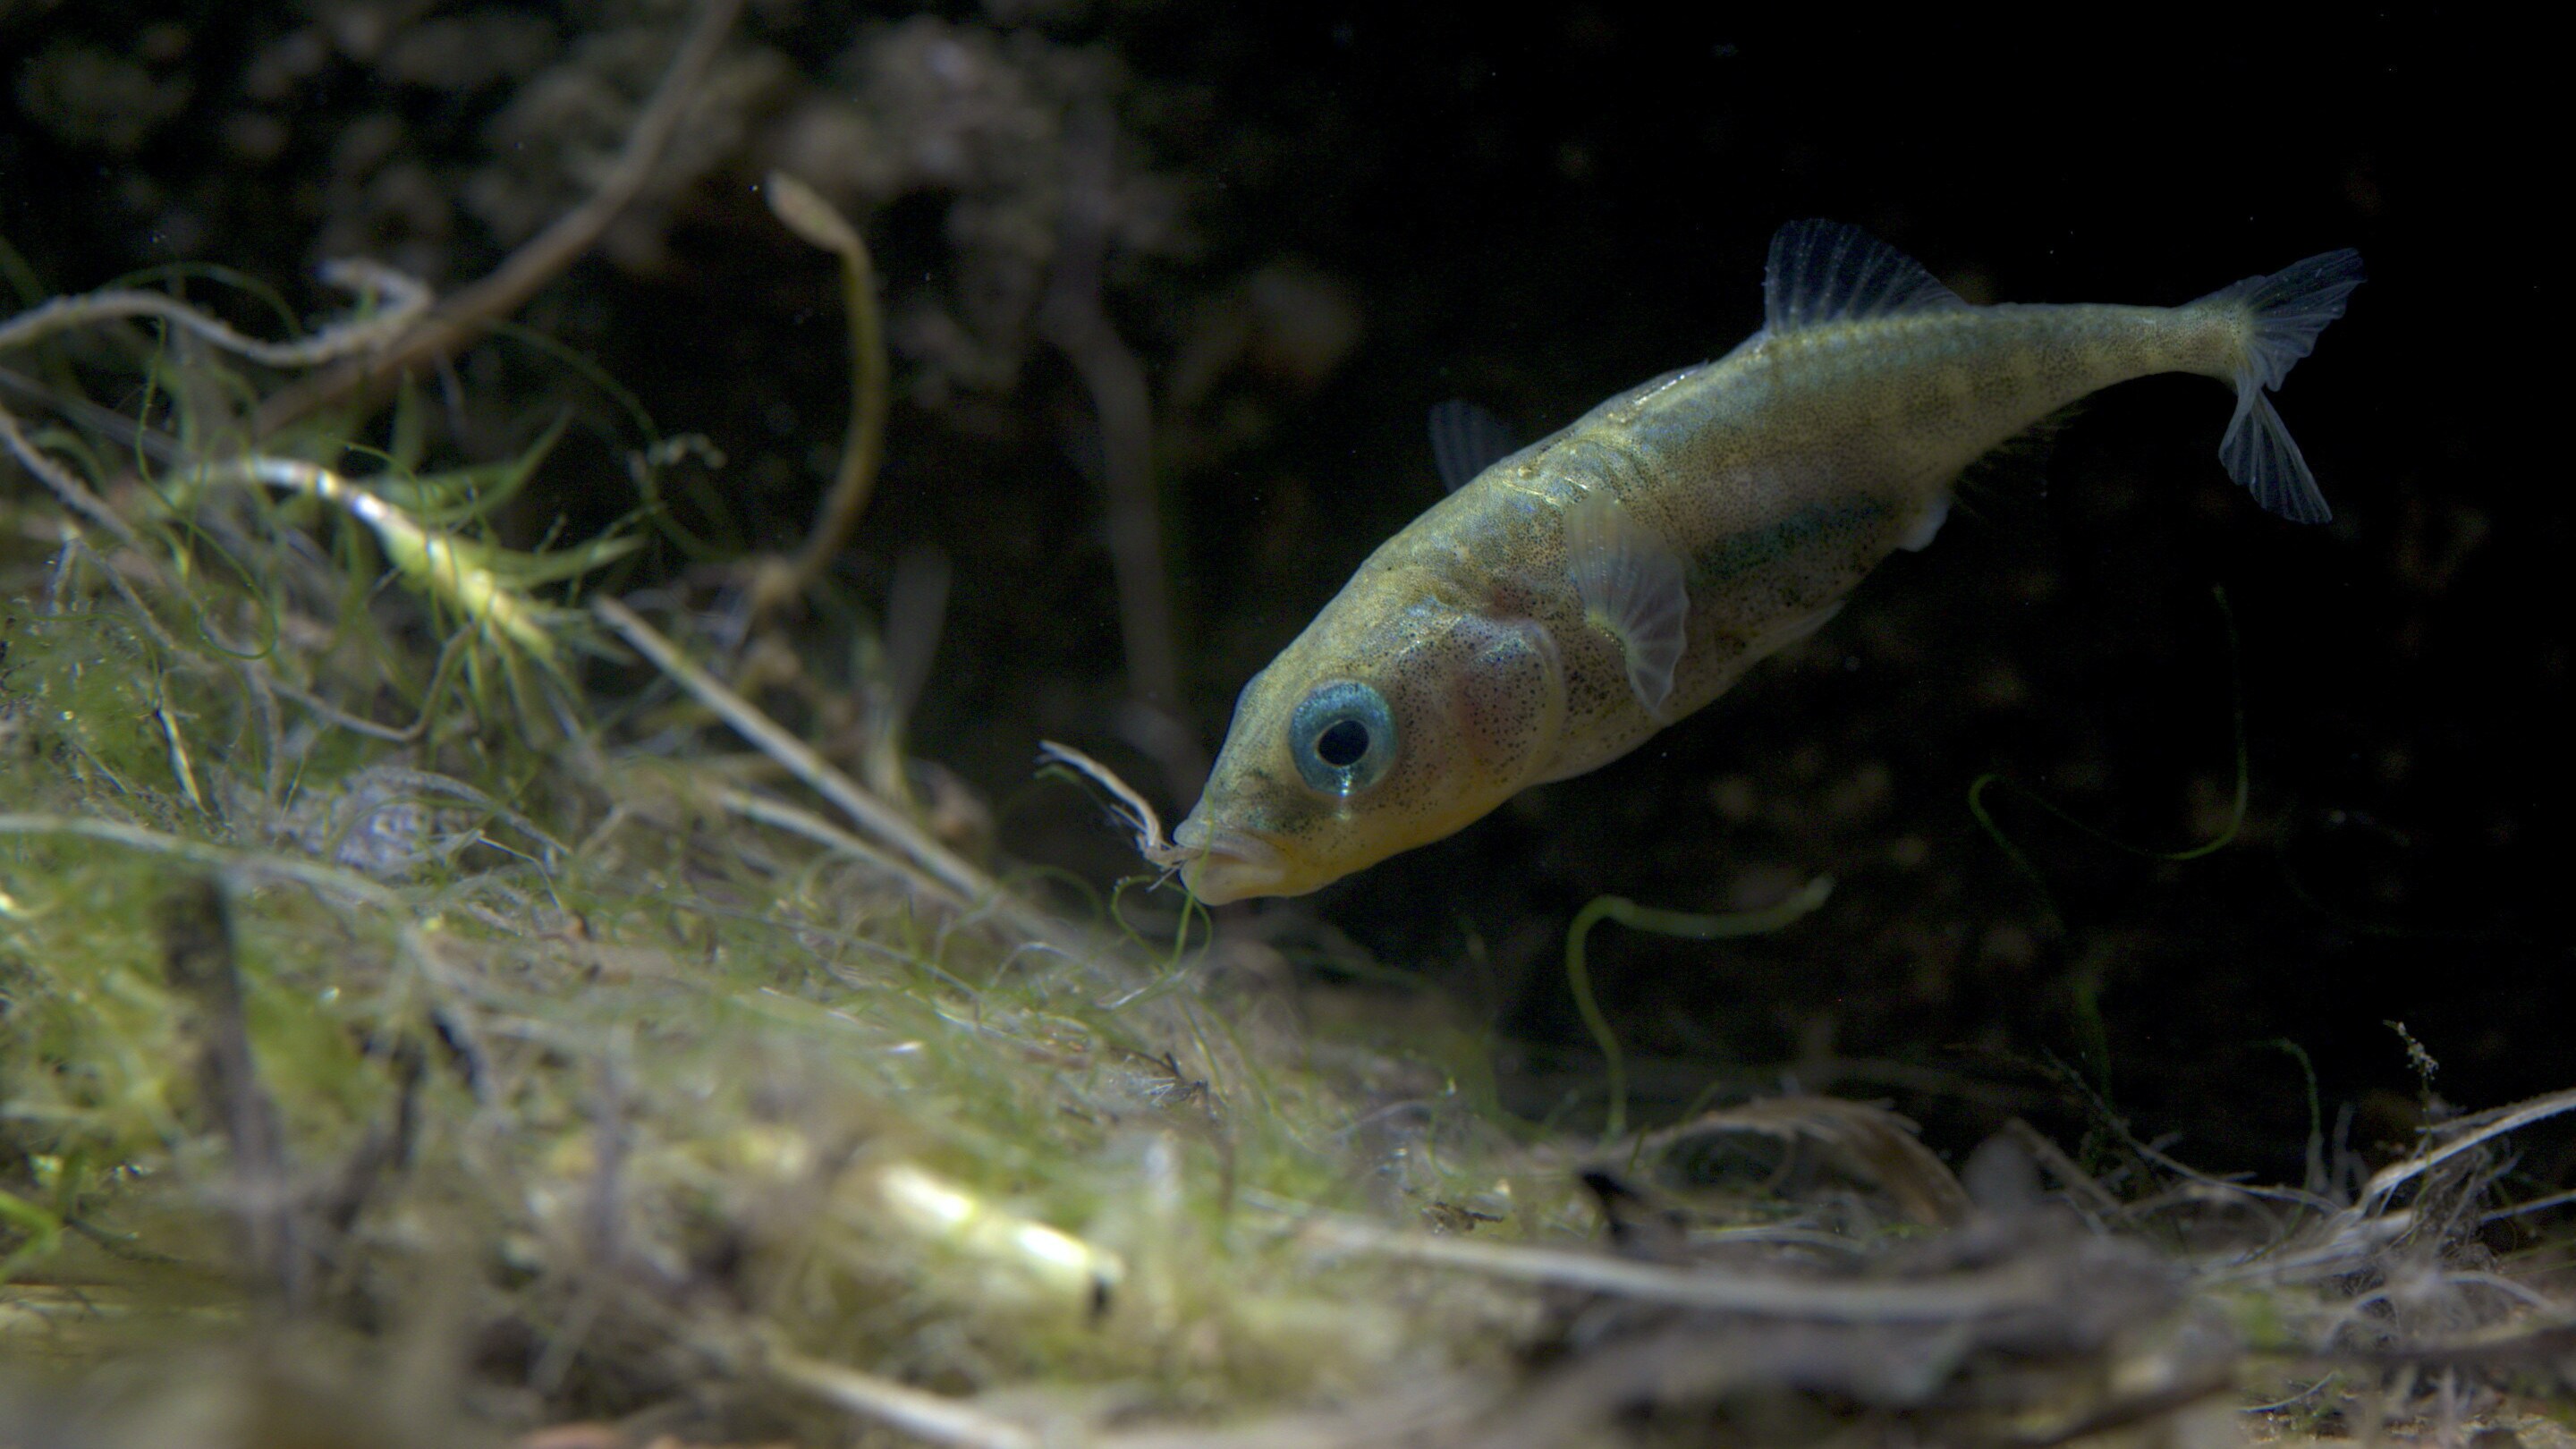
x=1576, y=596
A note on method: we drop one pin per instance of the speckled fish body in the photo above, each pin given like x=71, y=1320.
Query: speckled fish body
x=1587, y=591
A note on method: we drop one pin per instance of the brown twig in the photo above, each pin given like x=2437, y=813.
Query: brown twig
x=198, y=958
x=2009, y=1288
x=457, y=321
x=871, y=814
x=1870, y=1143
x=1134, y=810
x=402, y=298
x=2124, y=1413
x=931, y=1418
x=1074, y=318
x=73, y=494
x=815, y=220
x=2454, y=1138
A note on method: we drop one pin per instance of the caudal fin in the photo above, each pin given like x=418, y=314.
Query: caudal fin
x=2285, y=312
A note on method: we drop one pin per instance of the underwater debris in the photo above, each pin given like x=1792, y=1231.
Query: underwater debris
x=1865, y=1144
x=1134, y=810
x=1049, y=1261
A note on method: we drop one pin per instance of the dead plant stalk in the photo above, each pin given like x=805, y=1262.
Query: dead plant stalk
x=463, y=316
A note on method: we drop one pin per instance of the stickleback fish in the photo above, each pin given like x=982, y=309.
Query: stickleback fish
x=1590, y=589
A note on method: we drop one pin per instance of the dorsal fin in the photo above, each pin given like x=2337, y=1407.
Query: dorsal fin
x=1824, y=271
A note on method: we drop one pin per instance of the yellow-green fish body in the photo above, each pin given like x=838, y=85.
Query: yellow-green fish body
x=1584, y=592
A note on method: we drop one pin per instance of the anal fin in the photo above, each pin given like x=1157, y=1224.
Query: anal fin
x=1633, y=587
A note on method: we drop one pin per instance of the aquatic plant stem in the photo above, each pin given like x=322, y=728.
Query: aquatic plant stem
x=2224, y=838
x=201, y=964
x=2014, y=1286
x=70, y=491
x=403, y=299
x=920, y=1413
x=327, y=879
x=1075, y=318
x=783, y=816
x=41, y=1229
x=2481, y=1127
x=873, y=815
x=1683, y=924
x=815, y=220
x=451, y=568
x=462, y=317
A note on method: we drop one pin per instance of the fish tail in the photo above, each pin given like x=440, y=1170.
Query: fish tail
x=2278, y=317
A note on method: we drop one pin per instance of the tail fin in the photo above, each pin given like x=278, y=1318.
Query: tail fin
x=2285, y=312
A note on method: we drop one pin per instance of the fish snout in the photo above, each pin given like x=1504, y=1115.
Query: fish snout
x=1224, y=864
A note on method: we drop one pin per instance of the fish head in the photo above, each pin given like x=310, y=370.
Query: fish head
x=1394, y=720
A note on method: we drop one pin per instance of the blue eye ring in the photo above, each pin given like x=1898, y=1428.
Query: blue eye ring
x=1343, y=737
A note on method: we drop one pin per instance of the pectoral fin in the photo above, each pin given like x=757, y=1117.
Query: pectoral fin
x=1632, y=586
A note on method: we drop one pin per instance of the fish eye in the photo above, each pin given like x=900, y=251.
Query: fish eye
x=1343, y=736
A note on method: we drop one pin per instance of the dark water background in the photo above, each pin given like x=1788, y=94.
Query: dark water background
x=1537, y=211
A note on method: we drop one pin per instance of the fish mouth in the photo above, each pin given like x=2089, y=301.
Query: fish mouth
x=1223, y=864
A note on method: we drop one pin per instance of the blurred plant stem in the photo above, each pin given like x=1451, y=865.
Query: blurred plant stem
x=200, y=964
x=814, y=220
x=1075, y=318
x=462, y=318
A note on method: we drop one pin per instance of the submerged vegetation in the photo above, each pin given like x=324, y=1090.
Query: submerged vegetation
x=463, y=984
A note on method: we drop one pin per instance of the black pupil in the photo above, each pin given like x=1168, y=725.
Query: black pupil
x=1342, y=743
